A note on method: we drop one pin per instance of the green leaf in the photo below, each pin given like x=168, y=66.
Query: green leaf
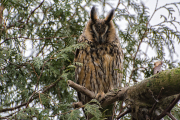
x=93, y=107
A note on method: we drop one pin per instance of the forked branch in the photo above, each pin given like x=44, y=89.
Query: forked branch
x=138, y=97
x=168, y=109
x=109, y=98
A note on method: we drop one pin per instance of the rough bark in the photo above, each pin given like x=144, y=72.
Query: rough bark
x=158, y=91
x=1, y=17
x=1, y=13
x=143, y=96
x=169, y=80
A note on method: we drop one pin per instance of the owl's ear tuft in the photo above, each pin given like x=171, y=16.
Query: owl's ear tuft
x=93, y=14
x=110, y=16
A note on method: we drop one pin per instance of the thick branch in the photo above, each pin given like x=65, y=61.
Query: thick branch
x=81, y=89
x=169, y=80
x=113, y=96
x=77, y=104
x=109, y=98
x=142, y=96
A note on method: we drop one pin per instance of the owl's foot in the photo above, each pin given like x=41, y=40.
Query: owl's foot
x=100, y=96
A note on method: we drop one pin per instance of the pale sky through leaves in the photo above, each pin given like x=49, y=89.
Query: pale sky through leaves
x=156, y=19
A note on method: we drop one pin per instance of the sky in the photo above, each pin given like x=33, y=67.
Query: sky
x=151, y=4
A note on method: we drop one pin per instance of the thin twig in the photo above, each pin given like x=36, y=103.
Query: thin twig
x=168, y=109
x=41, y=50
x=171, y=116
x=134, y=57
x=6, y=117
x=123, y=113
x=37, y=83
x=38, y=38
x=154, y=105
x=121, y=108
x=153, y=12
x=23, y=104
x=34, y=11
x=67, y=112
x=39, y=77
x=42, y=38
x=40, y=100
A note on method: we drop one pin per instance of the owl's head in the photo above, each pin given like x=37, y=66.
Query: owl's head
x=100, y=30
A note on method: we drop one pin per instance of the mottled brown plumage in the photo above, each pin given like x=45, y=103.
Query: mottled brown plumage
x=100, y=58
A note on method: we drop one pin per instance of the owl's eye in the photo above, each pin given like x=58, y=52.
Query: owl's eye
x=99, y=29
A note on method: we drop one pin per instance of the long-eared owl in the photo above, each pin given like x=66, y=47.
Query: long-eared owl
x=100, y=58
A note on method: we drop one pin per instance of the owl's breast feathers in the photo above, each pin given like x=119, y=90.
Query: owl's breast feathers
x=100, y=63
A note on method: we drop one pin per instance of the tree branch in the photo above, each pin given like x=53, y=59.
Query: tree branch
x=34, y=11
x=123, y=113
x=1, y=13
x=168, y=109
x=81, y=89
x=109, y=98
x=114, y=96
x=135, y=55
x=6, y=117
x=168, y=79
x=36, y=96
x=137, y=97
x=77, y=104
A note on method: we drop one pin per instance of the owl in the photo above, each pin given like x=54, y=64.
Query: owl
x=101, y=58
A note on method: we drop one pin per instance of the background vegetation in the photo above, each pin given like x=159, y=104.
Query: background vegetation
x=37, y=44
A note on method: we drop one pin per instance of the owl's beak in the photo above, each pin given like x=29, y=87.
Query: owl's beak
x=100, y=40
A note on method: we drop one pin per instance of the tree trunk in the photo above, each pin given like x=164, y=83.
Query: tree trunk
x=1, y=16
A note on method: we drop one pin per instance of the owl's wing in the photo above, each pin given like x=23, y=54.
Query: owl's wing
x=118, y=65
x=80, y=56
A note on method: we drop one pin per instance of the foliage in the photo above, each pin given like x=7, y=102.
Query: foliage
x=139, y=31
x=37, y=45
x=93, y=107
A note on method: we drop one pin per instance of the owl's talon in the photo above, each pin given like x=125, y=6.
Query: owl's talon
x=100, y=96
